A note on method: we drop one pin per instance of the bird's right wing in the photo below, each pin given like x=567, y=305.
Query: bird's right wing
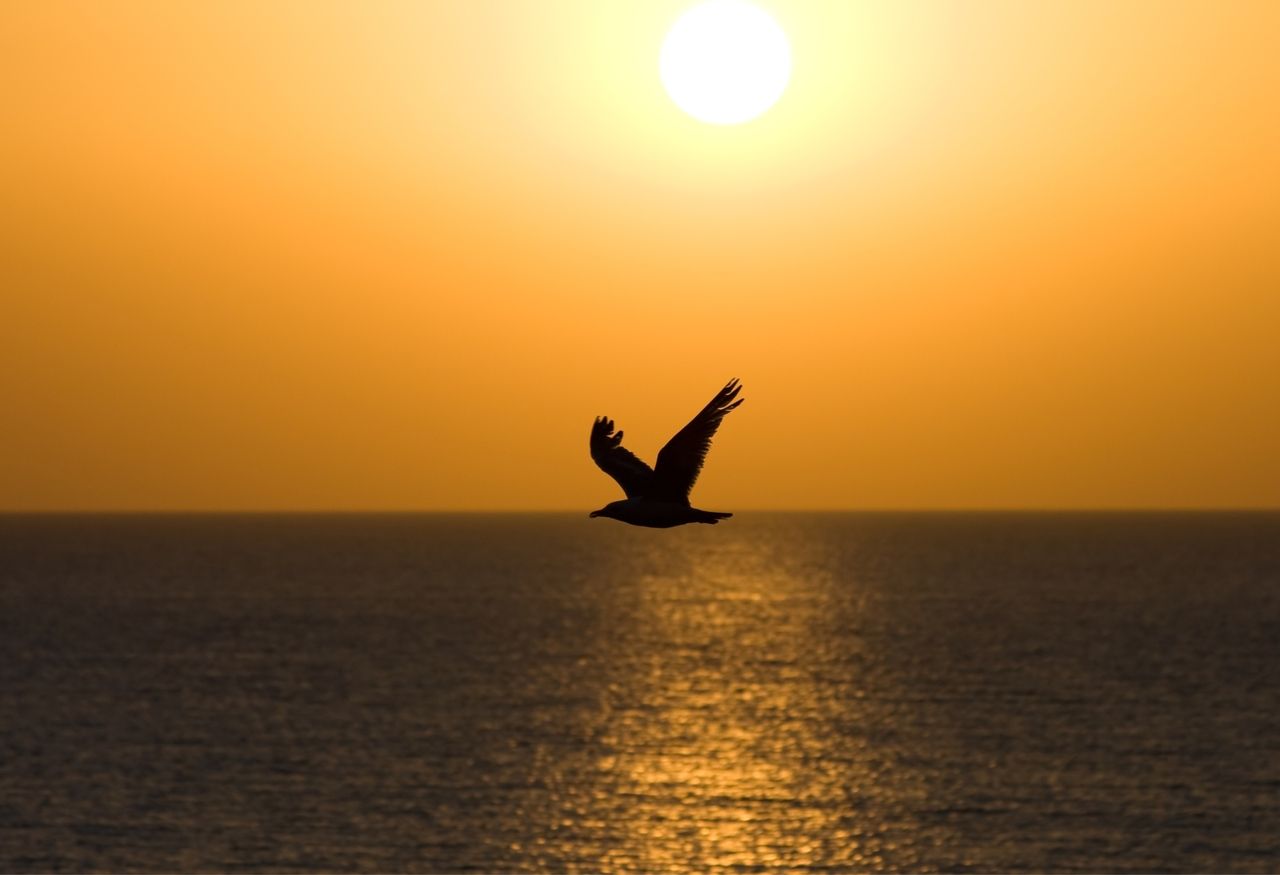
x=617, y=461
x=681, y=459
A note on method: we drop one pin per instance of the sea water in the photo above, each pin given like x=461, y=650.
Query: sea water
x=525, y=692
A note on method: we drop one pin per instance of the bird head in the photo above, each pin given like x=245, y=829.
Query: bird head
x=609, y=510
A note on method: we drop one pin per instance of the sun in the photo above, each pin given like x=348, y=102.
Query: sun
x=725, y=62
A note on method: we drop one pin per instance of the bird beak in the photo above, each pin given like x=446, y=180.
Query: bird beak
x=593, y=514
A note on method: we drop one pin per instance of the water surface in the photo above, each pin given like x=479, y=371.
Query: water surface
x=547, y=693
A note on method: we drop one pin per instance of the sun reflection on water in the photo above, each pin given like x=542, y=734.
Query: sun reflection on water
x=723, y=751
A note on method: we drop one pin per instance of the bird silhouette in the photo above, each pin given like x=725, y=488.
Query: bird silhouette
x=658, y=497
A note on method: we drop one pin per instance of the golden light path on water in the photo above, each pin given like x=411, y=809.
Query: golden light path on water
x=729, y=745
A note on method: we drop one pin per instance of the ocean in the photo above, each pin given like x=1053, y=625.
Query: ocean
x=547, y=693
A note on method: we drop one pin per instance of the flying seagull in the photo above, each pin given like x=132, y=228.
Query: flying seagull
x=659, y=497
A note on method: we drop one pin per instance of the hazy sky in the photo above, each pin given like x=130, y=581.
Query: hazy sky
x=271, y=255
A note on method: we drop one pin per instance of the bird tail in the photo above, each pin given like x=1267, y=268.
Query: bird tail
x=711, y=517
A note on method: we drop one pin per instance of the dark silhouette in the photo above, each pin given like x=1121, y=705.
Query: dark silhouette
x=659, y=497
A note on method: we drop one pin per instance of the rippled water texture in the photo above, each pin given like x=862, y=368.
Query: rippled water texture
x=520, y=693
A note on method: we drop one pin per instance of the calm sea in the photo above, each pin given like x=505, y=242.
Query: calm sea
x=802, y=692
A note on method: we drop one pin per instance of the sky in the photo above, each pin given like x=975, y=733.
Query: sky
x=397, y=256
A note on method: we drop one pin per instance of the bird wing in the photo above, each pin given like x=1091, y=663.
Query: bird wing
x=632, y=474
x=681, y=459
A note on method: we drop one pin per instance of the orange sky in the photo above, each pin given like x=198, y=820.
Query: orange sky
x=314, y=255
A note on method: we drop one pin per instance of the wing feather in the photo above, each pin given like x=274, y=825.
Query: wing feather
x=680, y=461
x=632, y=474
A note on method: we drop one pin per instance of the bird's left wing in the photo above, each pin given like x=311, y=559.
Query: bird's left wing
x=681, y=459
x=632, y=474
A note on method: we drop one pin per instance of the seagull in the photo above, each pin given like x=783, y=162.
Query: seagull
x=659, y=497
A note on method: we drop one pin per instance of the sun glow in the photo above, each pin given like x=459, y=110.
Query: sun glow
x=725, y=62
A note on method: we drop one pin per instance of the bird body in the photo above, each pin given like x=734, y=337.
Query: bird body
x=657, y=514
x=658, y=497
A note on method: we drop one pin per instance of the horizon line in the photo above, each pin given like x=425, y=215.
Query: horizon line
x=924, y=509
